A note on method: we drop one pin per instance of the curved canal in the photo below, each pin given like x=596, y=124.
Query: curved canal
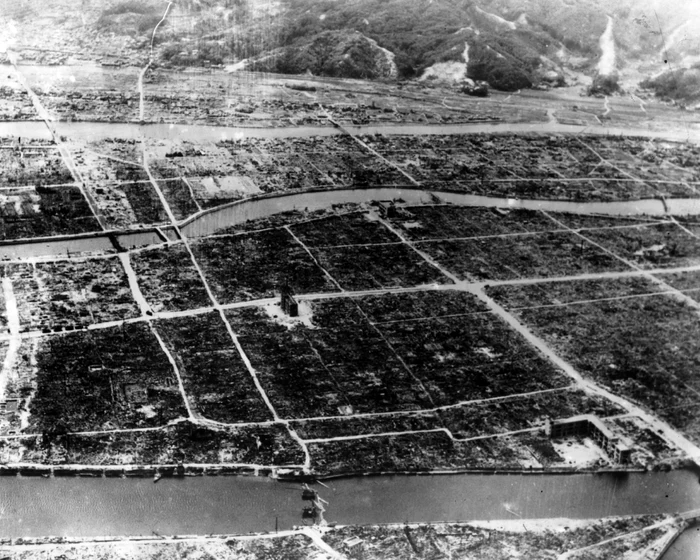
x=215, y=219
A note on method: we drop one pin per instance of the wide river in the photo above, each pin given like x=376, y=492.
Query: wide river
x=93, y=131
x=202, y=505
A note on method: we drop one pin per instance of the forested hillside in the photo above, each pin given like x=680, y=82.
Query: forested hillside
x=511, y=44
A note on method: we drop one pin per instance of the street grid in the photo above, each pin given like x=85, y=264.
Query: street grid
x=392, y=163
x=456, y=285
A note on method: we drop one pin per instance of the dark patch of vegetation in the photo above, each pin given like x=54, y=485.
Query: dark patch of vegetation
x=129, y=6
x=131, y=17
x=504, y=62
x=344, y=54
x=605, y=85
x=681, y=85
x=179, y=198
x=144, y=202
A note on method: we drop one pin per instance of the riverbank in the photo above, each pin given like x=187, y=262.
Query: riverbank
x=502, y=539
x=295, y=475
x=233, y=214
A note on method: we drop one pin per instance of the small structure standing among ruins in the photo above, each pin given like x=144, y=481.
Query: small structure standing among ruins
x=590, y=426
x=387, y=209
x=288, y=303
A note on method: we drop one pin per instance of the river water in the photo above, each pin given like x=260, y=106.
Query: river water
x=216, y=219
x=93, y=131
x=202, y=505
x=234, y=214
x=687, y=547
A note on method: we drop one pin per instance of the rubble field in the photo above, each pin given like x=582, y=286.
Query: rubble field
x=593, y=332
x=418, y=373
x=180, y=443
x=70, y=294
x=194, y=176
x=255, y=266
x=104, y=379
x=216, y=380
x=611, y=537
x=168, y=278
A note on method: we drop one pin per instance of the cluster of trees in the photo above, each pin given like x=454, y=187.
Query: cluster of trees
x=332, y=53
x=178, y=54
x=420, y=34
x=331, y=38
x=131, y=17
x=604, y=85
x=682, y=84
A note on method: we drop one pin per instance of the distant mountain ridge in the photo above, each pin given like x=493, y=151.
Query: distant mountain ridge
x=511, y=44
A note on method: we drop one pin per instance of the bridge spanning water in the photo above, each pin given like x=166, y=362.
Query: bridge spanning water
x=88, y=507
